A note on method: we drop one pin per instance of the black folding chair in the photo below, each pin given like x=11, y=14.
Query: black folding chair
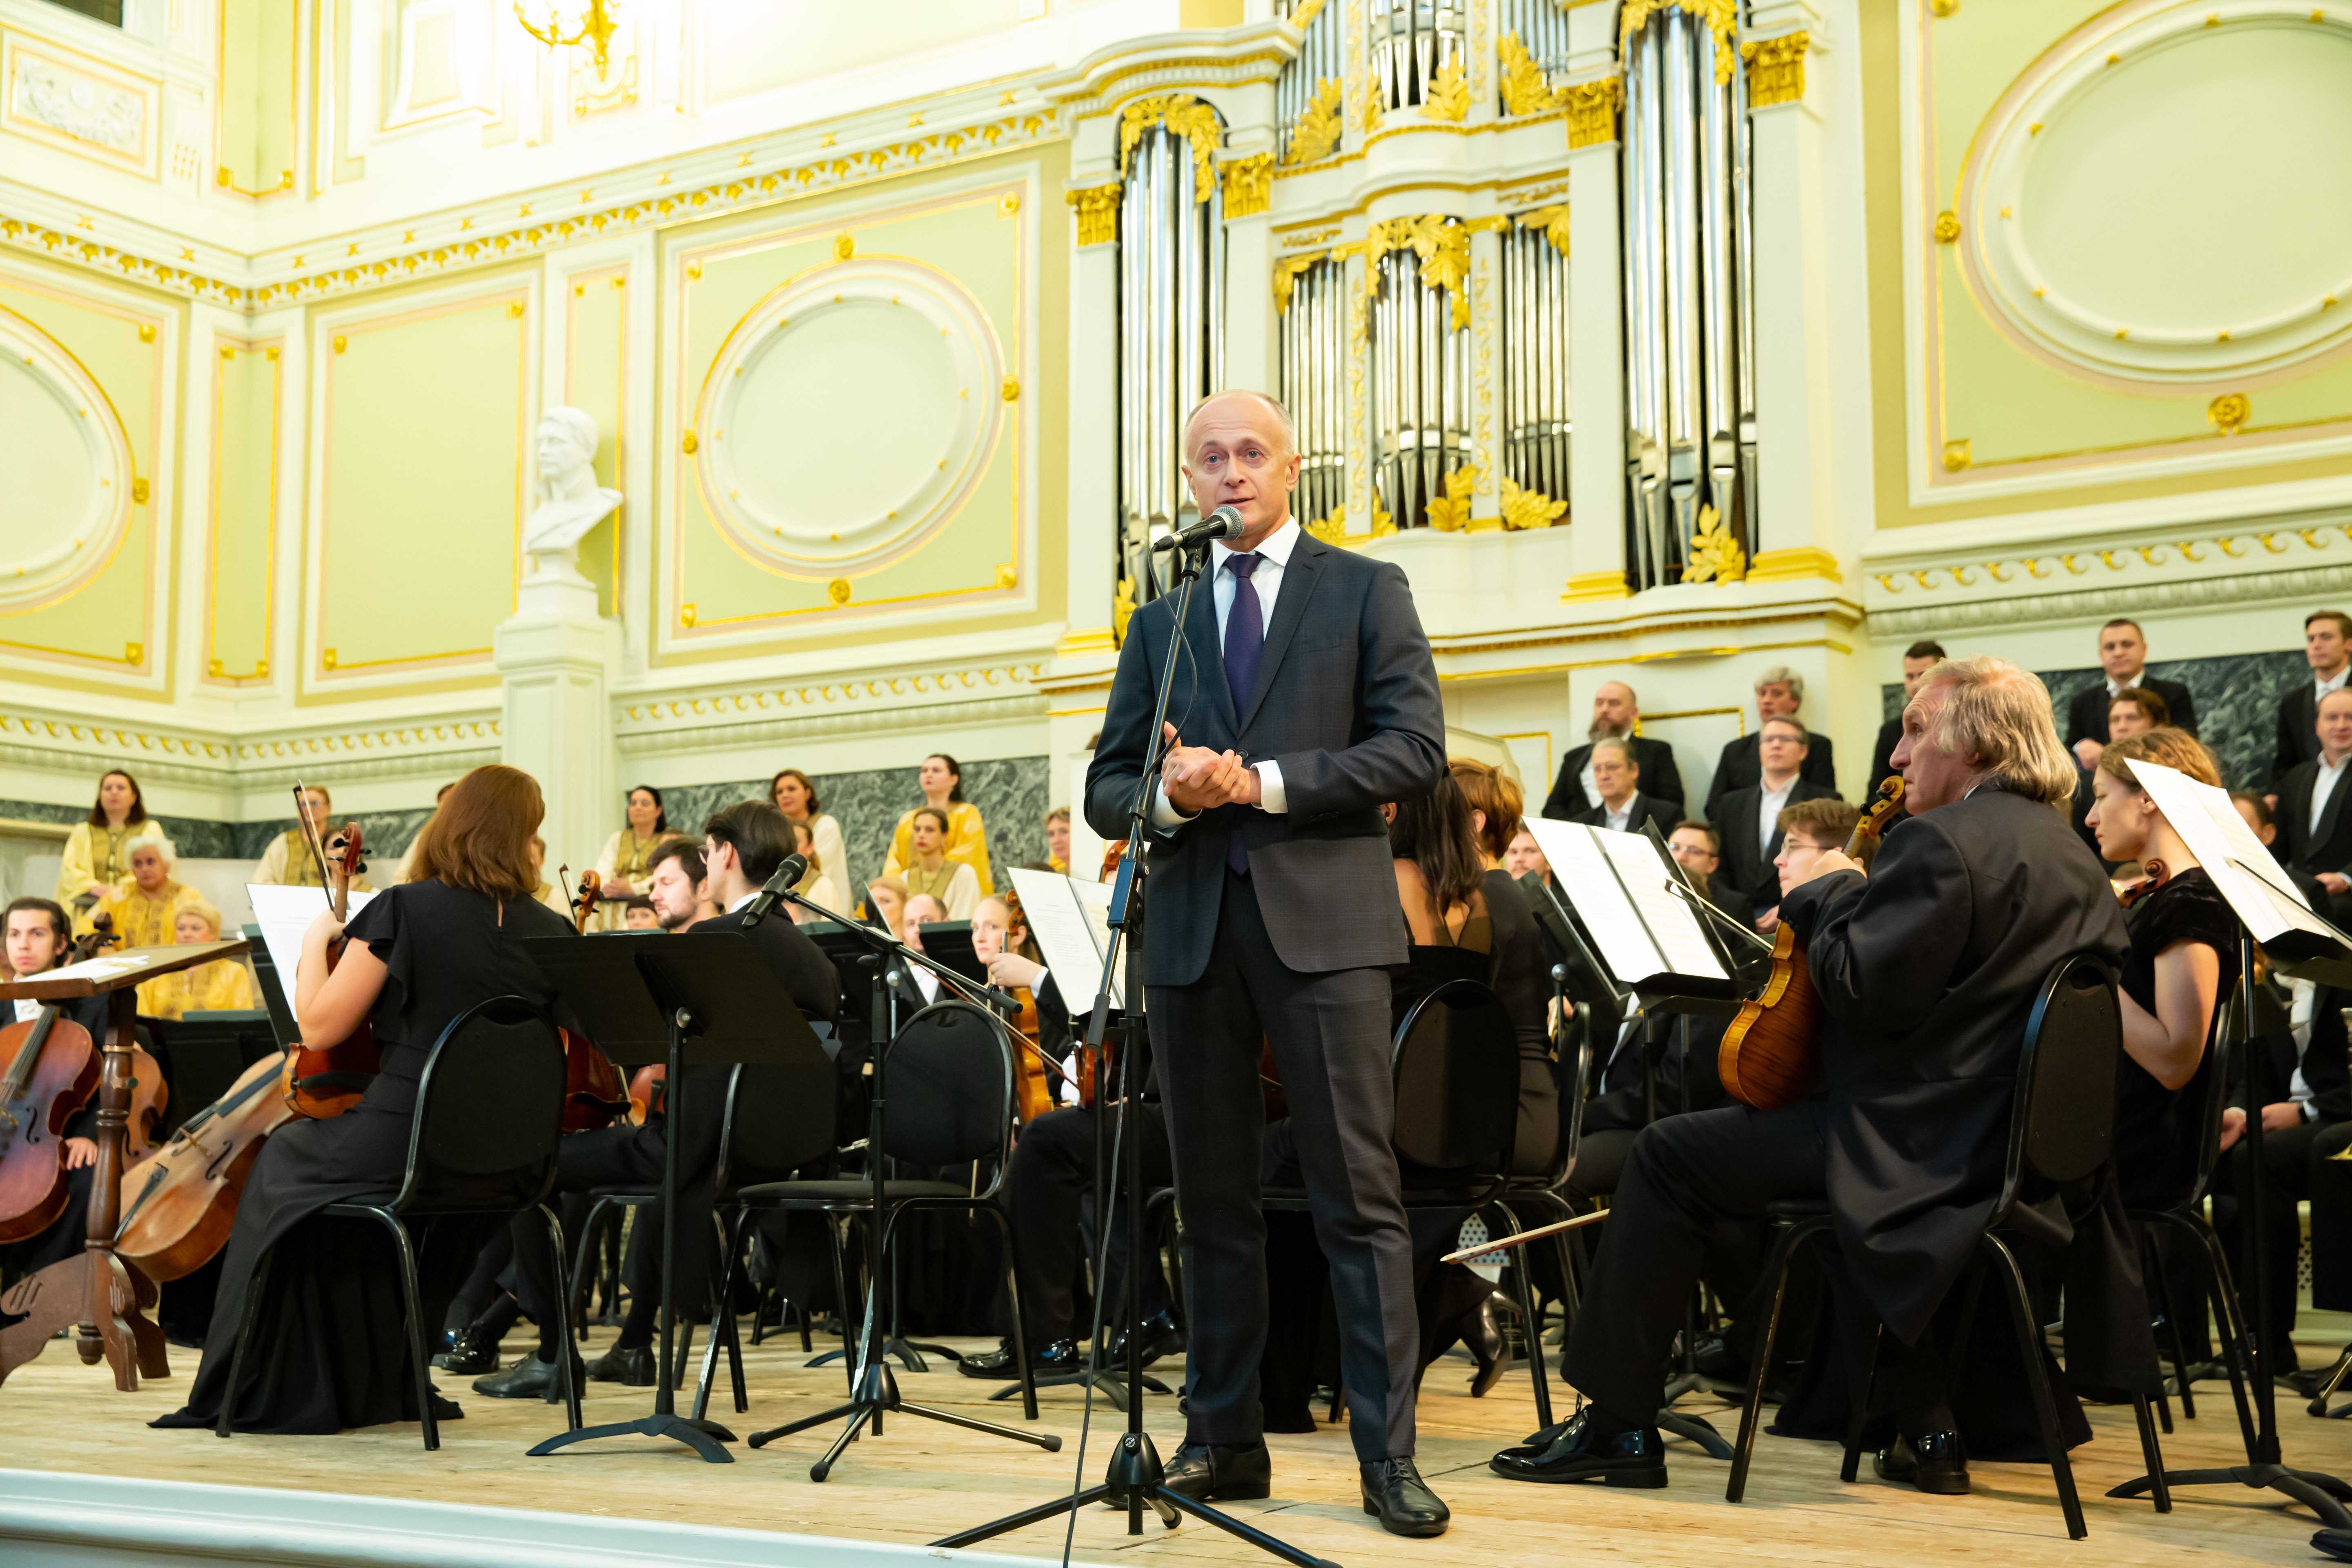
x=489, y=1113
x=2061, y=1128
x=1576, y=1020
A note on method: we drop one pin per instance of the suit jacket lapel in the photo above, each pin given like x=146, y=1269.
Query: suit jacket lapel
x=1209, y=653
x=2325, y=828
x=1298, y=577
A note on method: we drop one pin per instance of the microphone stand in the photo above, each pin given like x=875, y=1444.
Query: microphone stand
x=1134, y=1476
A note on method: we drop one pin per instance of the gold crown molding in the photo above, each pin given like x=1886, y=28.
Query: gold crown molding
x=673, y=710
x=2295, y=587
x=2203, y=555
x=119, y=739
x=1014, y=703
x=1590, y=587
x=1098, y=84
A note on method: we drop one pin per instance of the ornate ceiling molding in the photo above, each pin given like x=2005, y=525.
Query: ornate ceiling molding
x=1022, y=706
x=2296, y=587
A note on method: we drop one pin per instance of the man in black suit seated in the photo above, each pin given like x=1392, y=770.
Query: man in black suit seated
x=1616, y=714
x=1779, y=692
x=2123, y=654
x=2327, y=649
x=1623, y=805
x=2313, y=820
x=1748, y=822
x=1917, y=661
x=742, y=847
x=1927, y=968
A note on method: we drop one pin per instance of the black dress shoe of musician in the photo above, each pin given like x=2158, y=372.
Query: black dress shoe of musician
x=1482, y=1333
x=999, y=1365
x=1934, y=1463
x=1586, y=1449
x=631, y=1366
x=530, y=1378
x=1161, y=1337
x=468, y=1352
x=1219, y=1472
x=1394, y=1491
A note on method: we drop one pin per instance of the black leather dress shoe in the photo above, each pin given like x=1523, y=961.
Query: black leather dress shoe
x=1161, y=1337
x=1394, y=1491
x=530, y=1378
x=1573, y=1450
x=465, y=1350
x=1934, y=1463
x=1217, y=1472
x=1484, y=1337
x=999, y=1366
x=630, y=1366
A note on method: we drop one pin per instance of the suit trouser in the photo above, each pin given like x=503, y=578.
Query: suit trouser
x=1045, y=1188
x=1330, y=1036
x=611, y=1156
x=2286, y=1180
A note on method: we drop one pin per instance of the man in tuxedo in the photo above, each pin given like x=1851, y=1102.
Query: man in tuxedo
x=2313, y=820
x=2327, y=649
x=1917, y=661
x=1624, y=805
x=1927, y=968
x=1274, y=916
x=1616, y=714
x=1779, y=692
x=742, y=847
x=2123, y=654
x=1748, y=822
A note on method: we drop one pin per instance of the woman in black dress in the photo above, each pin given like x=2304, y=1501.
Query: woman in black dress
x=328, y=1349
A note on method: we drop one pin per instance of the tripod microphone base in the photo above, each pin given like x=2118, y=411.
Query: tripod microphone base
x=1111, y=1385
x=877, y=1395
x=703, y=1436
x=2323, y=1494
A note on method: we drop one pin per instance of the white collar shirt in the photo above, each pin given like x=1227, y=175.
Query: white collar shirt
x=1769, y=809
x=1273, y=553
x=1621, y=820
x=2324, y=785
x=2336, y=683
x=2116, y=688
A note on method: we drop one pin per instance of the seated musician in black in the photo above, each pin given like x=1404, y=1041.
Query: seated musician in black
x=1927, y=968
x=742, y=847
x=418, y=955
x=36, y=941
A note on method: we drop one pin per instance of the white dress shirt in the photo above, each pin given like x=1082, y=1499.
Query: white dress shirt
x=2324, y=785
x=1275, y=556
x=1767, y=812
x=28, y=1011
x=1619, y=820
x=2321, y=688
x=744, y=901
x=2116, y=688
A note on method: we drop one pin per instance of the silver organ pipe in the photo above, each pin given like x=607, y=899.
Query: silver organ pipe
x=1420, y=403
x=1541, y=27
x=1313, y=336
x=1535, y=336
x=1411, y=41
x=1318, y=61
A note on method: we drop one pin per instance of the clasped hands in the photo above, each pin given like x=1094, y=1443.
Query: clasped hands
x=1197, y=778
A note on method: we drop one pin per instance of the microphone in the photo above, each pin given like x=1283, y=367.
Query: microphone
x=1222, y=523
x=772, y=892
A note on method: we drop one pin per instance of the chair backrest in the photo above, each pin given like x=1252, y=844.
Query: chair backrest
x=2220, y=1044
x=1577, y=1022
x=1456, y=1064
x=2062, y=1116
x=778, y=1118
x=948, y=1077
x=489, y=1111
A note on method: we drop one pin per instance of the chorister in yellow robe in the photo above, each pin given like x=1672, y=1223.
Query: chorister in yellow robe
x=143, y=918
x=289, y=863
x=224, y=986
x=967, y=844
x=94, y=855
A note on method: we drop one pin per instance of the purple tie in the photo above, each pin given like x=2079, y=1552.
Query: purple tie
x=1244, y=639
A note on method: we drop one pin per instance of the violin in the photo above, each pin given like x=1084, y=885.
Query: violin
x=583, y=902
x=2158, y=874
x=1032, y=1095
x=1772, y=1054
x=180, y=1202
x=150, y=1096
x=326, y=1078
x=52, y=1071
x=101, y=934
x=593, y=1093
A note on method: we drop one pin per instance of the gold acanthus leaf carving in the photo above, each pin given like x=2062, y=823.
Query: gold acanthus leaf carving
x=1450, y=513
x=1331, y=529
x=1249, y=184
x=1592, y=109
x=1528, y=509
x=1525, y=91
x=1097, y=210
x=1122, y=610
x=1719, y=17
x=1286, y=277
x=1776, y=69
x=1553, y=221
x=1184, y=116
x=1315, y=136
x=1443, y=246
x=1448, y=97
x=1716, y=555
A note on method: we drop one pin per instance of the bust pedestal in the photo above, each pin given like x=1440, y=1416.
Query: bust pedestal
x=556, y=657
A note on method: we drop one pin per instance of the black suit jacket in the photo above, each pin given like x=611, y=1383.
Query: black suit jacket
x=1745, y=882
x=1882, y=756
x=2086, y=715
x=1741, y=765
x=1660, y=780
x=1346, y=700
x=1926, y=971
x=1666, y=814
x=2313, y=846
x=2298, y=727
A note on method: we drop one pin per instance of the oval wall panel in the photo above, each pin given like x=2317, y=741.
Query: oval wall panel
x=67, y=462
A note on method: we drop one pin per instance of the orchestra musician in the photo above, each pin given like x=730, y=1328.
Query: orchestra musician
x=417, y=957
x=965, y=840
x=1273, y=919
x=289, y=862
x=627, y=860
x=1927, y=970
x=96, y=856
x=224, y=986
x=37, y=939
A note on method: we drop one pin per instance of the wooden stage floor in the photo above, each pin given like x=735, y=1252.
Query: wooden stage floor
x=923, y=1480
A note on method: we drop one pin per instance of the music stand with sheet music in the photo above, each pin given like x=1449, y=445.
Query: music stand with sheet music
x=105, y=1298
x=710, y=1001
x=950, y=941
x=2300, y=944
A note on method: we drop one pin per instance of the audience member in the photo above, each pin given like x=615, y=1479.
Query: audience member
x=2327, y=649
x=1698, y=851
x=1779, y=692
x=224, y=986
x=2123, y=654
x=1917, y=661
x=966, y=841
x=795, y=796
x=96, y=855
x=1747, y=821
x=1624, y=807
x=2311, y=814
x=1616, y=715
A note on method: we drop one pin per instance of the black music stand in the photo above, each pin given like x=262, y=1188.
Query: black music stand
x=949, y=942
x=272, y=988
x=709, y=1001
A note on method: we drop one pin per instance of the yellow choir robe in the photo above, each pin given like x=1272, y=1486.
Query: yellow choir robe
x=224, y=986
x=144, y=921
x=967, y=844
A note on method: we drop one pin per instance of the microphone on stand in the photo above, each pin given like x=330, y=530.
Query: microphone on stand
x=772, y=892
x=1222, y=523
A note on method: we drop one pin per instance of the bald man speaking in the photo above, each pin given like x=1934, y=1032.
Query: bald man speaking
x=1272, y=913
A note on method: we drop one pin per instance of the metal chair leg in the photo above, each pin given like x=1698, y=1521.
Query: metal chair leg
x=1020, y=1335
x=1857, y=1420
x=2151, y=1453
x=564, y=1328
x=2037, y=1377
x=1776, y=1269
x=1527, y=1316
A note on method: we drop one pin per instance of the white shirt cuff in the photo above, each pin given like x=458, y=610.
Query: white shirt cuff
x=1163, y=810
x=1271, y=798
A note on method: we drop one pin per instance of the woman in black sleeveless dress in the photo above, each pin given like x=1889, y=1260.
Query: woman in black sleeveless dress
x=328, y=1350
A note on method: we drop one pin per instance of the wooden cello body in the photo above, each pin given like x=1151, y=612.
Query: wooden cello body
x=52, y=1069
x=178, y=1204
x=1771, y=1053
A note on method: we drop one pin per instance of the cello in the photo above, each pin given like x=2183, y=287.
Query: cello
x=180, y=1202
x=1771, y=1053
x=52, y=1071
x=326, y=1078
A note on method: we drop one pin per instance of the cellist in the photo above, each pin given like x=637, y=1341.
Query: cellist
x=1927, y=968
x=36, y=941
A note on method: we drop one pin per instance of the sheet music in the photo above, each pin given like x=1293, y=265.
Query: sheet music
x=284, y=914
x=1094, y=901
x=1674, y=924
x=1071, y=921
x=104, y=967
x=2209, y=823
x=1599, y=899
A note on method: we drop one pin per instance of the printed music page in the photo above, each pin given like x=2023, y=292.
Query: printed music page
x=2209, y=824
x=1599, y=899
x=1072, y=931
x=284, y=913
x=1673, y=924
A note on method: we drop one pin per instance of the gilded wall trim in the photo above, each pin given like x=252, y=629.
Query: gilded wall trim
x=2301, y=586
x=918, y=717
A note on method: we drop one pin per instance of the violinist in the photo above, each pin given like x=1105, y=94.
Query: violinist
x=96, y=856
x=144, y=904
x=627, y=860
x=1928, y=968
x=36, y=941
x=224, y=986
x=417, y=956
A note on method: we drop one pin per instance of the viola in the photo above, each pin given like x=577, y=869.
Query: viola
x=180, y=1202
x=593, y=1092
x=1772, y=1054
x=2158, y=875
x=150, y=1096
x=326, y=1078
x=52, y=1071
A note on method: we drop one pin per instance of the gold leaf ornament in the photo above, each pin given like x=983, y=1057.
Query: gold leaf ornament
x=1184, y=116
x=1285, y=277
x=1315, y=136
x=1525, y=91
x=2230, y=411
x=1524, y=508
x=1716, y=555
x=1552, y=220
x=1444, y=247
x=1450, y=513
x=1448, y=97
x=1122, y=610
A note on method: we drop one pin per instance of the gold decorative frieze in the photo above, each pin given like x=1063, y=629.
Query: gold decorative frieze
x=1716, y=555
x=1525, y=91
x=1776, y=69
x=1249, y=184
x=2204, y=554
x=1097, y=210
x=1592, y=109
x=1183, y=115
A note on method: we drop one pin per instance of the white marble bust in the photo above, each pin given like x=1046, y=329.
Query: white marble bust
x=570, y=501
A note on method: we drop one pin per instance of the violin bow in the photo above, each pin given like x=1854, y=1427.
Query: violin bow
x=1504, y=1243
x=311, y=837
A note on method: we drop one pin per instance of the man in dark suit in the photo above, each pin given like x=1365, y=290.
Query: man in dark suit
x=1616, y=714
x=1928, y=968
x=2123, y=654
x=1748, y=822
x=2327, y=649
x=1623, y=805
x=742, y=847
x=1917, y=661
x=1779, y=692
x=2313, y=822
x=1272, y=916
